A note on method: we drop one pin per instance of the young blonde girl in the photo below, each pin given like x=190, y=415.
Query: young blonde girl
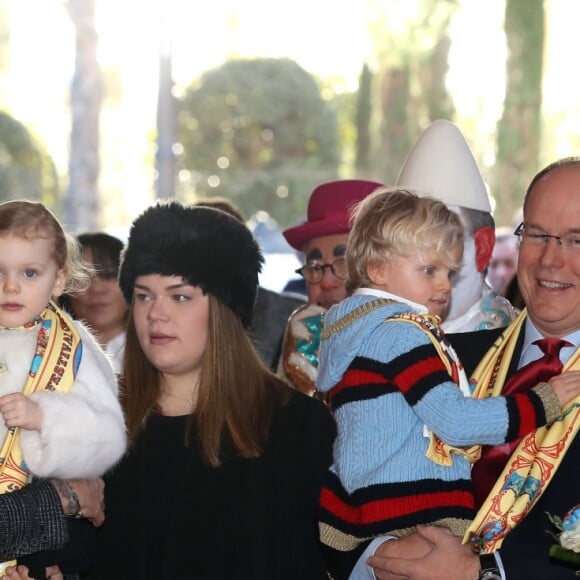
x=58, y=393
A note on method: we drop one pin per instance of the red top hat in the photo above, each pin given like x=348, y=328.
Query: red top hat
x=329, y=210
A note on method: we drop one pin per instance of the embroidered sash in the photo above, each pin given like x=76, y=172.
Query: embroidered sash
x=535, y=460
x=53, y=368
x=438, y=451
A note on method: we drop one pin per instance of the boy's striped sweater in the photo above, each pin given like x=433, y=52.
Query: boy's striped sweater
x=387, y=382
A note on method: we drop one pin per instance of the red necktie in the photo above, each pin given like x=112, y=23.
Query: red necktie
x=493, y=459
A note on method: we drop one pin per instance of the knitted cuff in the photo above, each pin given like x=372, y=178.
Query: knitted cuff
x=550, y=401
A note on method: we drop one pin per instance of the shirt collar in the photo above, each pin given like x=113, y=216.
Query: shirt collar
x=532, y=351
x=420, y=308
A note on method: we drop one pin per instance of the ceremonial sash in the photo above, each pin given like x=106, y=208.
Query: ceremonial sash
x=535, y=460
x=438, y=451
x=53, y=368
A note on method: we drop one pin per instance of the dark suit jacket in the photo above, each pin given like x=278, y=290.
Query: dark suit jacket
x=524, y=552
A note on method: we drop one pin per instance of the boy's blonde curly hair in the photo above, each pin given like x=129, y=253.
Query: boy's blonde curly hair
x=397, y=222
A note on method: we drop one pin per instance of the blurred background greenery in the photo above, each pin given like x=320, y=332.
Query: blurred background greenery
x=107, y=105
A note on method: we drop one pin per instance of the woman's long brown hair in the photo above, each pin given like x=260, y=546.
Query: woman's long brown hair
x=237, y=394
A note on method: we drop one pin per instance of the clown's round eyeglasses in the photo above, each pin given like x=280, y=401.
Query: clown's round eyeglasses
x=314, y=271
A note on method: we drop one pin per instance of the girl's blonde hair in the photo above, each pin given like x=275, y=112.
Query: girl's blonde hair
x=237, y=394
x=394, y=222
x=32, y=220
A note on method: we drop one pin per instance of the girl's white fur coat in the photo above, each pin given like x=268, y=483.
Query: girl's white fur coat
x=82, y=432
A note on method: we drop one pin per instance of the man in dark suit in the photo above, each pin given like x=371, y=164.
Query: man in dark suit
x=549, y=278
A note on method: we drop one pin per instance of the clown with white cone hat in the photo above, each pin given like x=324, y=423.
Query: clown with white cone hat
x=441, y=165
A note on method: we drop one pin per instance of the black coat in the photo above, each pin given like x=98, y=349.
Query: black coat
x=248, y=519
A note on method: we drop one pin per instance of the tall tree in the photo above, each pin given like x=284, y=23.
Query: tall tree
x=434, y=69
x=411, y=44
x=166, y=113
x=258, y=131
x=519, y=129
x=4, y=39
x=395, y=132
x=26, y=170
x=81, y=208
x=363, y=121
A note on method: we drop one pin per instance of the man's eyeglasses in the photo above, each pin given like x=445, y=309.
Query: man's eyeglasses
x=537, y=238
x=313, y=271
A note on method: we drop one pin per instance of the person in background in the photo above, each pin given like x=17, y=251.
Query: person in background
x=541, y=476
x=101, y=306
x=514, y=295
x=504, y=261
x=322, y=239
x=392, y=375
x=441, y=165
x=58, y=393
x=226, y=460
x=271, y=310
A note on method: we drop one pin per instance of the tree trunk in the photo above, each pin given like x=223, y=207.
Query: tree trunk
x=437, y=97
x=81, y=208
x=519, y=130
x=395, y=138
x=166, y=117
x=363, y=120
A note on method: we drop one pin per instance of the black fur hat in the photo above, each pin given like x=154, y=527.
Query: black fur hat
x=206, y=246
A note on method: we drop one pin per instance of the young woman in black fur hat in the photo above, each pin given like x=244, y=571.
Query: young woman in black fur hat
x=224, y=471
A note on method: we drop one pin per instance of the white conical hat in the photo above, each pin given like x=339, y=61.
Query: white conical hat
x=441, y=165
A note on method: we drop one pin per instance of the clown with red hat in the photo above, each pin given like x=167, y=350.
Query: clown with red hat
x=322, y=239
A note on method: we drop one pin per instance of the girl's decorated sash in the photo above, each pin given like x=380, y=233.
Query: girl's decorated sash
x=54, y=367
x=535, y=460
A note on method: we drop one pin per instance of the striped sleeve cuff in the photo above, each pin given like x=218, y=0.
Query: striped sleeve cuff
x=549, y=400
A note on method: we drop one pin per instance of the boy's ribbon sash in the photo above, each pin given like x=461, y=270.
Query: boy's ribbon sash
x=533, y=463
x=438, y=451
x=53, y=368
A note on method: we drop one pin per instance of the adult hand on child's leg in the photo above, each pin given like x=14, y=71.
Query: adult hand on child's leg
x=447, y=558
x=409, y=547
x=21, y=573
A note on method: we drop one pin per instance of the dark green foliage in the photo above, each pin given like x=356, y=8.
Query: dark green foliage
x=265, y=119
x=395, y=133
x=413, y=65
x=363, y=121
x=344, y=104
x=518, y=131
x=439, y=102
x=26, y=171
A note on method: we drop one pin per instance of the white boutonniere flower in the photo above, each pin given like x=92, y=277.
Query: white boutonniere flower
x=567, y=549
